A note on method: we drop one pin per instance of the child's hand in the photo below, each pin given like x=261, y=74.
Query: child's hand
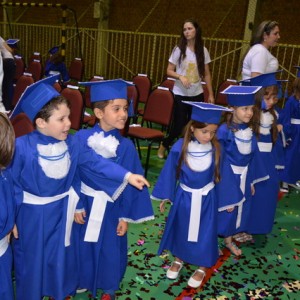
x=230, y=209
x=79, y=217
x=138, y=181
x=162, y=205
x=122, y=228
x=15, y=232
x=279, y=127
x=252, y=189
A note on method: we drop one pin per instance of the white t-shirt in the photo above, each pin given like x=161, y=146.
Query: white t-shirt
x=259, y=60
x=188, y=68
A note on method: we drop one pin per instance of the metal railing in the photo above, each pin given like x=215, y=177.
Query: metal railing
x=122, y=54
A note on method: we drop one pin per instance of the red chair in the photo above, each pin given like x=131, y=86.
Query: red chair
x=21, y=84
x=20, y=67
x=57, y=86
x=144, y=86
x=36, y=69
x=221, y=99
x=76, y=69
x=168, y=82
x=158, y=110
x=205, y=91
x=75, y=98
x=35, y=55
x=22, y=124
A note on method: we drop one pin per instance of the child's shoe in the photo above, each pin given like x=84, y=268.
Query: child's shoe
x=108, y=297
x=174, y=274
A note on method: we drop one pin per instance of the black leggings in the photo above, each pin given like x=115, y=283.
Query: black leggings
x=181, y=116
x=9, y=70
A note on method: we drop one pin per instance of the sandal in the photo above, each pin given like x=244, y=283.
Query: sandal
x=233, y=248
x=174, y=274
x=192, y=282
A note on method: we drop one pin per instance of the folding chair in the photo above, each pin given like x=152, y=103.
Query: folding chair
x=21, y=84
x=20, y=67
x=36, y=69
x=22, y=124
x=168, y=82
x=75, y=98
x=221, y=99
x=158, y=110
x=76, y=69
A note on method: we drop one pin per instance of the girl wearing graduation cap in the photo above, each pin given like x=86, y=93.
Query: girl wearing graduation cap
x=187, y=180
x=239, y=146
x=290, y=118
x=103, y=235
x=48, y=168
x=7, y=207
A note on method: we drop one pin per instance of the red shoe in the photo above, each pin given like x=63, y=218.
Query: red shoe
x=108, y=297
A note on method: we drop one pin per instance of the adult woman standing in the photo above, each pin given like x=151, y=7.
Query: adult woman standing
x=188, y=64
x=258, y=59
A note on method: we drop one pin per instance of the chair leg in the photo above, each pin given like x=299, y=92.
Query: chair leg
x=139, y=148
x=147, y=159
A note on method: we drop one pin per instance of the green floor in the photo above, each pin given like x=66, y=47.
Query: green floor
x=268, y=269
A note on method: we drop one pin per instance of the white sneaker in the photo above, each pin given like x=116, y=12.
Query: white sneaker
x=284, y=187
x=80, y=291
x=296, y=185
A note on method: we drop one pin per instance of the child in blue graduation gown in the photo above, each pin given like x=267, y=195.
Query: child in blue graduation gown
x=270, y=149
x=187, y=180
x=239, y=160
x=290, y=118
x=47, y=170
x=103, y=238
x=7, y=207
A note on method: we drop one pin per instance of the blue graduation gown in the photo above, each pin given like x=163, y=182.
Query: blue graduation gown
x=263, y=208
x=204, y=250
x=6, y=224
x=245, y=169
x=45, y=261
x=103, y=262
x=61, y=68
x=290, y=119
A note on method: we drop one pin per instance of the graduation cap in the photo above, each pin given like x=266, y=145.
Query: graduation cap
x=53, y=50
x=238, y=95
x=206, y=112
x=12, y=43
x=298, y=71
x=36, y=96
x=263, y=80
x=107, y=89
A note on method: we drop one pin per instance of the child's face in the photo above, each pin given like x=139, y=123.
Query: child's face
x=114, y=115
x=270, y=98
x=205, y=135
x=242, y=114
x=58, y=125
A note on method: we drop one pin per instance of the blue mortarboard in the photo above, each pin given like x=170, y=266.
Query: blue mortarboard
x=12, y=43
x=206, y=112
x=263, y=80
x=36, y=96
x=107, y=89
x=53, y=50
x=298, y=70
x=238, y=95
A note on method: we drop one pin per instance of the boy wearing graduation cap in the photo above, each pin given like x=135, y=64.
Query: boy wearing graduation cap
x=270, y=148
x=48, y=167
x=55, y=64
x=187, y=180
x=103, y=238
x=239, y=146
x=290, y=118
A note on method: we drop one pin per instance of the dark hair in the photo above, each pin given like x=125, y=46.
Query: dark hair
x=264, y=27
x=199, y=51
x=46, y=111
x=257, y=107
x=56, y=58
x=296, y=87
x=188, y=136
x=7, y=141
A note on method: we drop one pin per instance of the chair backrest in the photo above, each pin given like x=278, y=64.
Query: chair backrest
x=144, y=86
x=36, y=69
x=21, y=84
x=35, y=55
x=20, y=67
x=75, y=98
x=87, y=92
x=22, y=124
x=159, y=107
x=221, y=99
x=76, y=69
x=57, y=86
x=168, y=82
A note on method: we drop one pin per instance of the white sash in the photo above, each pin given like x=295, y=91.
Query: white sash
x=97, y=212
x=196, y=204
x=265, y=147
x=240, y=170
x=3, y=245
x=72, y=202
x=295, y=121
